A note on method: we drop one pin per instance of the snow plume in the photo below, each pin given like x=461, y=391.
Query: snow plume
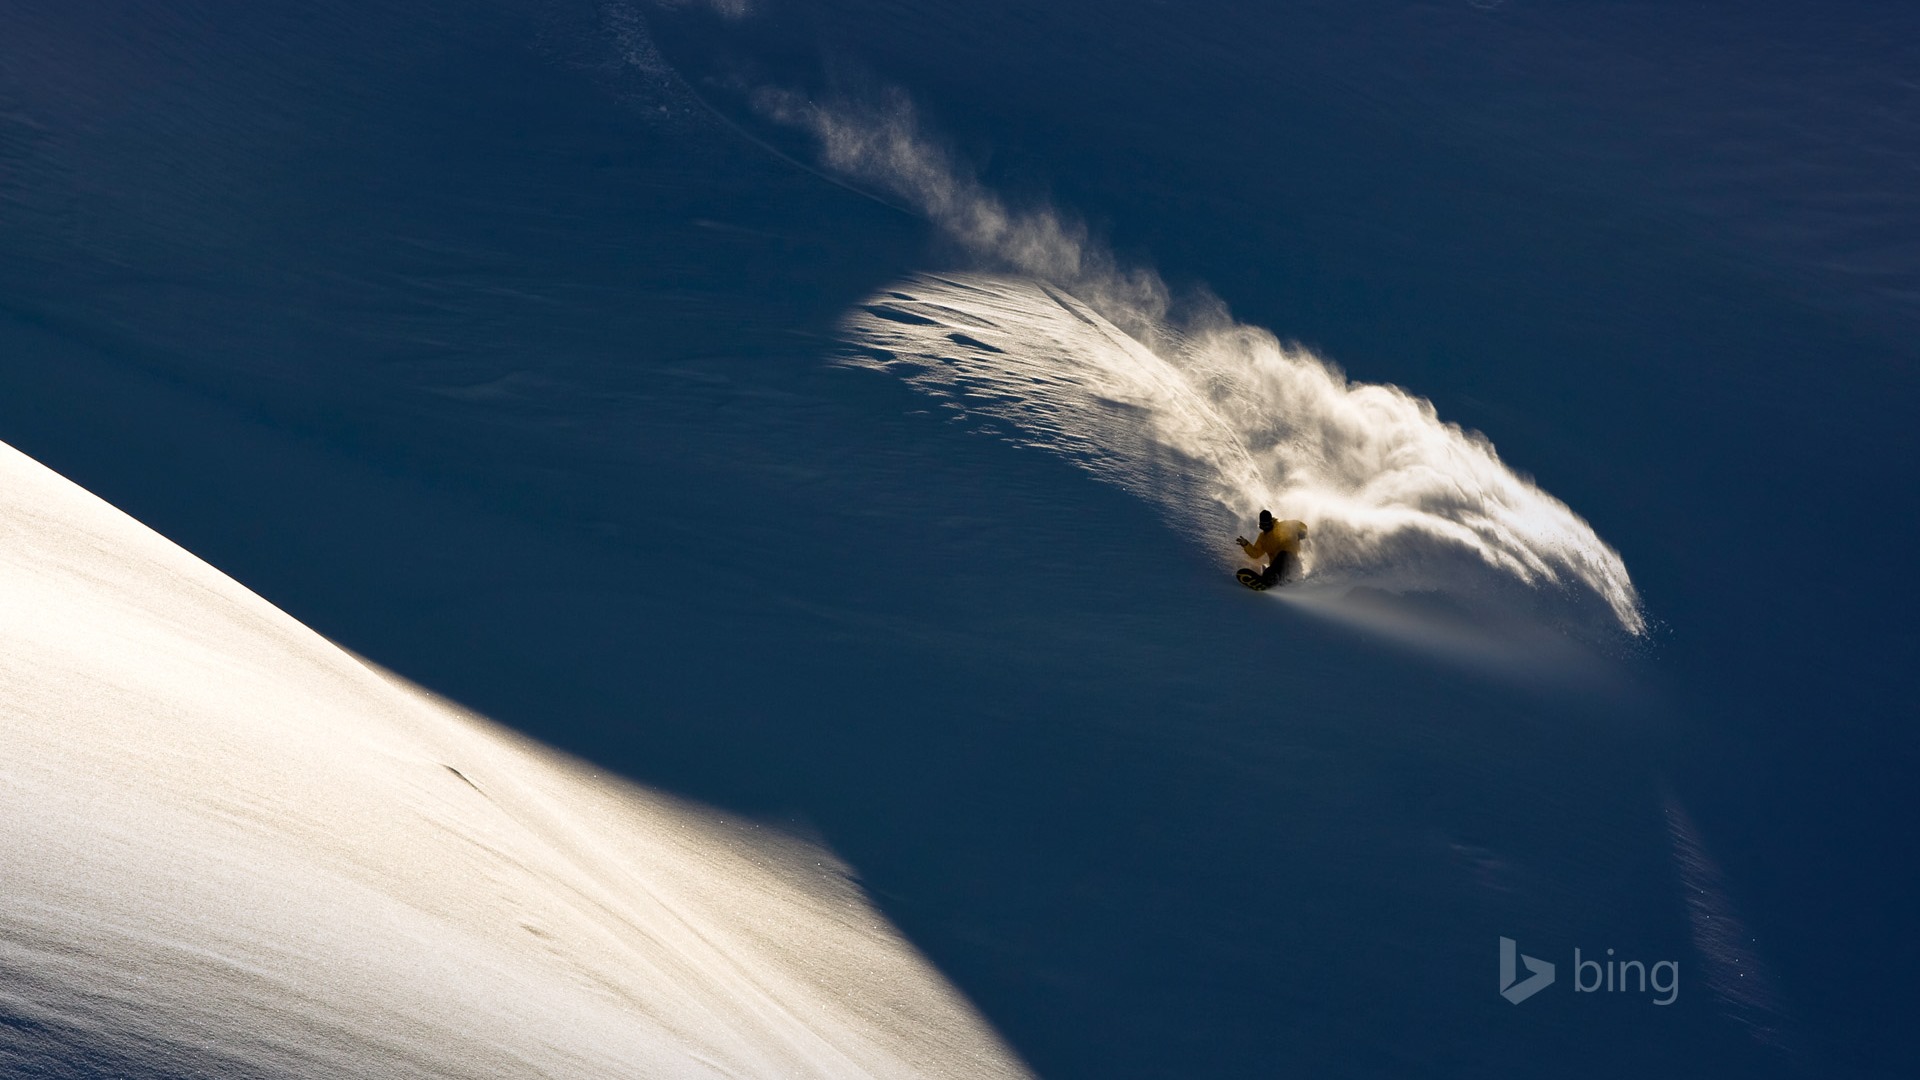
x=882, y=147
x=1209, y=418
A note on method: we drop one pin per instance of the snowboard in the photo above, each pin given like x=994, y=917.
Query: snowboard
x=1251, y=579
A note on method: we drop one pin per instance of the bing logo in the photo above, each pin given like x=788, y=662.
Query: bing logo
x=1589, y=976
x=1540, y=973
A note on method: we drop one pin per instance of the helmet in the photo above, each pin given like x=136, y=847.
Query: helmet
x=1266, y=520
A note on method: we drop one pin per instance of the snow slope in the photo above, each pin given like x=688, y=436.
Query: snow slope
x=466, y=335
x=234, y=849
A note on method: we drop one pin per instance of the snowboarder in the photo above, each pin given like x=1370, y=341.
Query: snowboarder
x=1278, y=543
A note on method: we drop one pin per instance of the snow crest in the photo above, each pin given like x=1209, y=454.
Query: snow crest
x=234, y=849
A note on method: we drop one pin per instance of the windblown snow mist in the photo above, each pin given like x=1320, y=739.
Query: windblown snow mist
x=1209, y=418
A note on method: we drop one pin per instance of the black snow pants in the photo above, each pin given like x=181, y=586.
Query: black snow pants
x=1276, y=569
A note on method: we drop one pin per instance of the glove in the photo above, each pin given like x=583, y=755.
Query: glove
x=1241, y=540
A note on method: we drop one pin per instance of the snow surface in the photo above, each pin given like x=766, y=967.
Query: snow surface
x=234, y=848
x=491, y=342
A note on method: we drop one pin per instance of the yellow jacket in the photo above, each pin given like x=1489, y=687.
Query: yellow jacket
x=1284, y=536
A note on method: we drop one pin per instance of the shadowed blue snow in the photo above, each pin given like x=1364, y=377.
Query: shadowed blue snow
x=508, y=345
